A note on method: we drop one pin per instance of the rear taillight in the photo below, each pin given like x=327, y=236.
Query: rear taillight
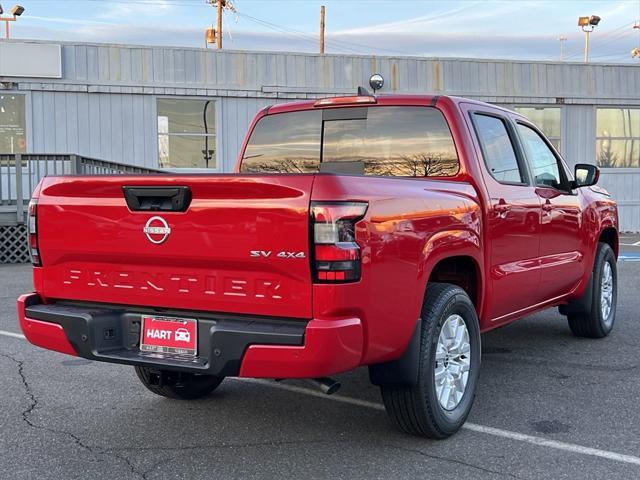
x=336, y=254
x=33, y=233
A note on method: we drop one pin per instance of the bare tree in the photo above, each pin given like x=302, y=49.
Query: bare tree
x=416, y=165
x=607, y=158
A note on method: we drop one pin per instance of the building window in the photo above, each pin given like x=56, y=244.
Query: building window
x=547, y=119
x=618, y=137
x=13, y=138
x=186, y=133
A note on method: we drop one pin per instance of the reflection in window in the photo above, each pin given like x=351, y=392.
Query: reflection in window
x=547, y=119
x=285, y=143
x=541, y=158
x=497, y=149
x=386, y=141
x=13, y=137
x=186, y=133
x=393, y=141
x=618, y=137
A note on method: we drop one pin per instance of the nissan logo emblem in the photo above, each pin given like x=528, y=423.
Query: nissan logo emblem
x=157, y=230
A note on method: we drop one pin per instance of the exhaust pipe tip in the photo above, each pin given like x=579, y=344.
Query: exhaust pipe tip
x=326, y=385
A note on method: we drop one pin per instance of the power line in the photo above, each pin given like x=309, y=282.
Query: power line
x=290, y=31
x=609, y=37
x=341, y=44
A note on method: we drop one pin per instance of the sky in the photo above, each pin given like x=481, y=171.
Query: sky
x=515, y=29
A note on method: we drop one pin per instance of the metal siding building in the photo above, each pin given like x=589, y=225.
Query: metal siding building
x=103, y=101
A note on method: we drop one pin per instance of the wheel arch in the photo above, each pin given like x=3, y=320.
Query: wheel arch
x=609, y=235
x=452, y=257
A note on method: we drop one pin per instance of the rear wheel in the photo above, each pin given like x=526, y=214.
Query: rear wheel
x=178, y=385
x=440, y=401
x=598, y=321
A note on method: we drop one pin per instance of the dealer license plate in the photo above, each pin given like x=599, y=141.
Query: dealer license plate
x=169, y=335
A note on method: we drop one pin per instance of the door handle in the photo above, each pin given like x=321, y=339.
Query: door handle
x=169, y=199
x=502, y=208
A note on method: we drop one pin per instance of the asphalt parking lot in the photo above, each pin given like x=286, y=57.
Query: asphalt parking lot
x=548, y=406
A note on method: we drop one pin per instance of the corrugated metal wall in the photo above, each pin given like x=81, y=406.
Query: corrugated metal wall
x=105, y=103
x=123, y=127
x=624, y=183
x=265, y=72
x=99, y=125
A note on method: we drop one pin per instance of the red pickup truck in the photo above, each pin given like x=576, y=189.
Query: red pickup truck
x=386, y=231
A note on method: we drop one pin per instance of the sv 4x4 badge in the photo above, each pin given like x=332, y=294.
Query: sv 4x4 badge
x=283, y=254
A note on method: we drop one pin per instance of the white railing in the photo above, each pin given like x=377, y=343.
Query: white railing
x=21, y=172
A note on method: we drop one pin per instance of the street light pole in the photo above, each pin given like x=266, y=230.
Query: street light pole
x=588, y=25
x=16, y=11
x=586, y=45
x=6, y=21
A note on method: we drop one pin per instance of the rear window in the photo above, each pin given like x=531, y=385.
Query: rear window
x=383, y=141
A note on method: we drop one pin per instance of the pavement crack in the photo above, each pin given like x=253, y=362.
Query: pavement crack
x=451, y=460
x=33, y=404
x=274, y=443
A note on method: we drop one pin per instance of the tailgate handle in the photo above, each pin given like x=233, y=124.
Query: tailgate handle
x=160, y=199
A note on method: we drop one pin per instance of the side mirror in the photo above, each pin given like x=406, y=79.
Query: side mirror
x=586, y=175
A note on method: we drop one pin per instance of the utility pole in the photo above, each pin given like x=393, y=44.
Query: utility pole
x=562, y=39
x=322, y=30
x=219, y=32
x=215, y=34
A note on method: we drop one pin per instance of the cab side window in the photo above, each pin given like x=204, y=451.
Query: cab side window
x=497, y=149
x=544, y=163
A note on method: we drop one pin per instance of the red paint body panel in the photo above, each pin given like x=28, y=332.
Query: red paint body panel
x=46, y=335
x=401, y=239
x=537, y=253
x=330, y=347
x=96, y=250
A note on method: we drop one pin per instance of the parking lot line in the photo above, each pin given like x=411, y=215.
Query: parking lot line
x=496, y=432
x=12, y=335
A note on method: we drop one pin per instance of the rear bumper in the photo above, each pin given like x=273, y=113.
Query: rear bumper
x=228, y=345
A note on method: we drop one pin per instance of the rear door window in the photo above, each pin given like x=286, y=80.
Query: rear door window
x=381, y=141
x=497, y=149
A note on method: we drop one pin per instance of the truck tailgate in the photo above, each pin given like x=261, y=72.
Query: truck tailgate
x=241, y=246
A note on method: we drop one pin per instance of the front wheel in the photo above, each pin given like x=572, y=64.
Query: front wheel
x=598, y=321
x=178, y=385
x=441, y=399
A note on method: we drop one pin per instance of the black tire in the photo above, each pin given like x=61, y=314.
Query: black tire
x=178, y=385
x=592, y=324
x=416, y=409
